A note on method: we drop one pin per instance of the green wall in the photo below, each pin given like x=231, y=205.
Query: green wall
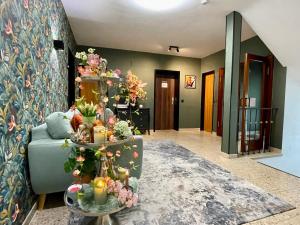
x=255, y=46
x=144, y=65
x=33, y=83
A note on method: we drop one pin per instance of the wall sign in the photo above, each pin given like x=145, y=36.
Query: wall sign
x=164, y=84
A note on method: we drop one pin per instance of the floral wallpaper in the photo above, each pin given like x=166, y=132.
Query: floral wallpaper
x=33, y=83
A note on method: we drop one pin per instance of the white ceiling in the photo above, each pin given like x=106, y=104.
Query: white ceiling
x=197, y=29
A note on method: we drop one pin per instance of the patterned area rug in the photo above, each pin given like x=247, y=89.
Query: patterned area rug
x=179, y=187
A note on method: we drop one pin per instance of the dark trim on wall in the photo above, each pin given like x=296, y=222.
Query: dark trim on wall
x=172, y=74
x=203, y=98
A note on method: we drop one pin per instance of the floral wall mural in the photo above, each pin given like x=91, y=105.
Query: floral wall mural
x=33, y=83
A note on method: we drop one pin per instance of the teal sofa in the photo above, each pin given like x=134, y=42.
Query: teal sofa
x=46, y=162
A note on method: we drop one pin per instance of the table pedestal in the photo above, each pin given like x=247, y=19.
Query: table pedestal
x=102, y=220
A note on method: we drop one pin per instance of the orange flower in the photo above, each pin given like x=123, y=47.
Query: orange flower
x=109, y=154
x=26, y=4
x=12, y=124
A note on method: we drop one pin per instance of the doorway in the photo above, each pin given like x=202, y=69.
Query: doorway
x=166, y=100
x=255, y=102
x=71, y=78
x=207, y=101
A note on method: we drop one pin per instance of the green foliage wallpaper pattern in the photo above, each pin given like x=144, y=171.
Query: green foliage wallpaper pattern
x=33, y=83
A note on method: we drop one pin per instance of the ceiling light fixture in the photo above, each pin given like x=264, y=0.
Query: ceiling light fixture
x=159, y=5
x=176, y=48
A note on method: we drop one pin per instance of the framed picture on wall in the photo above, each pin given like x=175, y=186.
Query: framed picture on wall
x=190, y=81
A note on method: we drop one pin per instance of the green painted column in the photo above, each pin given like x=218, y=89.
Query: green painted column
x=231, y=86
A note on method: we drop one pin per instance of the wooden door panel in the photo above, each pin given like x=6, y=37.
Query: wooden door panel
x=164, y=110
x=208, y=105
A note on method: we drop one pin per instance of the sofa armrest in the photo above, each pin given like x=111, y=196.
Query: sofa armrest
x=46, y=165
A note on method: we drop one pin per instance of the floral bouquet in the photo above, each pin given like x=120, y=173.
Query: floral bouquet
x=132, y=89
x=90, y=63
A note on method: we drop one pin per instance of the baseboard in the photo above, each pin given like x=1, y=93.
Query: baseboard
x=229, y=156
x=30, y=214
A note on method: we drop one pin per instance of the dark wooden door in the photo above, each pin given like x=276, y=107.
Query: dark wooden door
x=220, y=102
x=256, y=112
x=165, y=103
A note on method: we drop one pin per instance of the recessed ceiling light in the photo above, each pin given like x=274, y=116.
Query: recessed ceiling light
x=159, y=5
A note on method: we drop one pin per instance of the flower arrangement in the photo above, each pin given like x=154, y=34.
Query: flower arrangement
x=125, y=195
x=90, y=63
x=122, y=129
x=132, y=89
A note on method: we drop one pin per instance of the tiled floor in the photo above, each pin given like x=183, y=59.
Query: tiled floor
x=280, y=184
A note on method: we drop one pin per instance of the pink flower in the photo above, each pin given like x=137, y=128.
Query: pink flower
x=122, y=196
x=8, y=28
x=78, y=79
x=109, y=83
x=135, y=199
x=80, y=159
x=109, y=154
x=135, y=154
x=26, y=4
x=111, y=120
x=76, y=173
x=118, y=72
x=93, y=60
x=129, y=203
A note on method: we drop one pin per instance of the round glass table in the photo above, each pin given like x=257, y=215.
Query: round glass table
x=85, y=205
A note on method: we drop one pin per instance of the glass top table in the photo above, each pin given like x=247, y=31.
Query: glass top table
x=86, y=206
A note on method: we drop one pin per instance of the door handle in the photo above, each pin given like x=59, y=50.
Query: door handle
x=172, y=100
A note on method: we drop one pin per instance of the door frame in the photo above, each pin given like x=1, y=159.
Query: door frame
x=220, y=106
x=266, y=100
x=203, y=99
x=171, y=74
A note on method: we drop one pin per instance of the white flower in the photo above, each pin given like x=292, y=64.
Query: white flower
x=105, y=99
x=78, y=55
x=91, y=50
x=84, y=57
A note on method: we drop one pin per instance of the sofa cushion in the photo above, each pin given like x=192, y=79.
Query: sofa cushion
x=58, y=125
x=40, y=132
